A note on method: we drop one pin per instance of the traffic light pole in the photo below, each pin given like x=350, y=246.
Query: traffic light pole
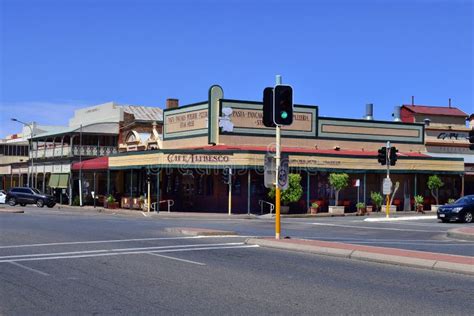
x=230, y=192
x=277, y=173
x=387, y=208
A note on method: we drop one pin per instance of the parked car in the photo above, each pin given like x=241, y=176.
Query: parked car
x=461, y=210
x=3, y=195
x=25, y=196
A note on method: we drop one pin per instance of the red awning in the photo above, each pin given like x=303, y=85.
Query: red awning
x=101, y=163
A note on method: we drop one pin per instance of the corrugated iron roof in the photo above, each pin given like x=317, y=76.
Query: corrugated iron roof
x=434, y=110
x=144, y=113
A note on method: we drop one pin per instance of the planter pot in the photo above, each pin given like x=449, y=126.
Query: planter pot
x=313, y=210
x=419, y=208
x=362, y=211
x=113, y=205
x=434, y=207
x=336, y=210
x=284, y=209
x=369, y=209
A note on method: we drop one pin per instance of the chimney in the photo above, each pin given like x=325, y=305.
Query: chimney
x=449, y=102
x=396, y=114
x=369, y=111
x=413, y=100
x=172, y=103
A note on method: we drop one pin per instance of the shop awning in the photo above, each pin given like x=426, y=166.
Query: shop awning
x=59, y=180
x=100, y=163
x=53, y=180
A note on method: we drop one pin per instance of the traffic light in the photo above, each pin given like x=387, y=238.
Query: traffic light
x=283, y=105
x=226, y=174
x=393, y=156
x=471, y=139
x=148, y=177
x=268, y=107
x=382, y=156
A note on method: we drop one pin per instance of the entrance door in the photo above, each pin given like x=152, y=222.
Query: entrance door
x=188, y=191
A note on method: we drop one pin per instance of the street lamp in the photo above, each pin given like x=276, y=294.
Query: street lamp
x=30, y=150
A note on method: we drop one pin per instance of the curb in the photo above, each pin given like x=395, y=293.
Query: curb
x=464, y=233
x=409, y=258
x=10, y=210
x=199, y=231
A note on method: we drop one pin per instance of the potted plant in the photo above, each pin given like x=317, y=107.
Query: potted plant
x=338, y=181
x=377, y=200
x=292, y=194
x=110, y=202
x=419, y=203
x=361, y=210
x=434, y=183
x=314, y=208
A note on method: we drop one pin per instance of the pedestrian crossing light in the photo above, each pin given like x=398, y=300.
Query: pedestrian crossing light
x=226, y=174
x=393, y=156
x=283, y=105
x=382, y=156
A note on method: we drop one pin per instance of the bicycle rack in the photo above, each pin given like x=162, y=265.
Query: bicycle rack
x=155, y=204
x=262, y=203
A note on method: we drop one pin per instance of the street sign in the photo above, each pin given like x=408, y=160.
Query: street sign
x=269, y=170
x=283, y=172
x=387, y=186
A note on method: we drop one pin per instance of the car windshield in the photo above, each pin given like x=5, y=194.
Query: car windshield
x=465, y=199
x=36, y=191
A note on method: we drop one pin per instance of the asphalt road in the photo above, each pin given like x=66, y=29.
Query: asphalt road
x=89, y=263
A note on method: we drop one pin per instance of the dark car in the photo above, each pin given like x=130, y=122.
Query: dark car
x=461, y=210
x=25, y=196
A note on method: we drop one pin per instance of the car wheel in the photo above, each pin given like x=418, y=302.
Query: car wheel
x=12, y=202
x=40, y=203
x=467, y=217
x=444, y=220
x=51, y=205
x=22, y=204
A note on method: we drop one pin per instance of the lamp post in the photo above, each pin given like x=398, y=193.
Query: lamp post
x=30, y=150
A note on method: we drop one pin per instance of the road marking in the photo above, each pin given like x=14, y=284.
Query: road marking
x=126, y=253
x=178, y=259
x=395, y=219
x=28, y=268
x=115, y=240
x=379, y=228
x=11, y=257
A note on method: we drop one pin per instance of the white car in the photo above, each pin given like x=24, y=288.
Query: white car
x=3, y=195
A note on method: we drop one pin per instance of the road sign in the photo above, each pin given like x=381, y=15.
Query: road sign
x=283, y=172
x=387, y=186
x=269, y=170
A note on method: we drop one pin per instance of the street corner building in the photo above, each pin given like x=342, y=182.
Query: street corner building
x=178, y=156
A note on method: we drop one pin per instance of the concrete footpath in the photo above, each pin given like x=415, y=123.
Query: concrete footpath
x=411, y=258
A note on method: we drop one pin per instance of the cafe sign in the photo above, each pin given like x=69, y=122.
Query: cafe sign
x=197, y=158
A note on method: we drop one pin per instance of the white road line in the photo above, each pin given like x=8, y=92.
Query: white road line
x=379, y=228
x=12, y=257
x=177, y=259
x=113, y=241
x=395, y=219
x=28, y=268
x=126, y=253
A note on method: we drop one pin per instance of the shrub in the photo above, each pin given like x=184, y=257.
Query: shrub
x=418, y=200
x=451, y=201
x=315, y=205
x=434, y=183
x=338, y=181
x=110, y=199
x=76, y=201
x=377, y=199
x=293, y=193
x=360, y=205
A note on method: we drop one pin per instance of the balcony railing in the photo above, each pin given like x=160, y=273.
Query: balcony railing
x=76, y=150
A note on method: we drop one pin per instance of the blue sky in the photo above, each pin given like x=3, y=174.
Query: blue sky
x=58, y=55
